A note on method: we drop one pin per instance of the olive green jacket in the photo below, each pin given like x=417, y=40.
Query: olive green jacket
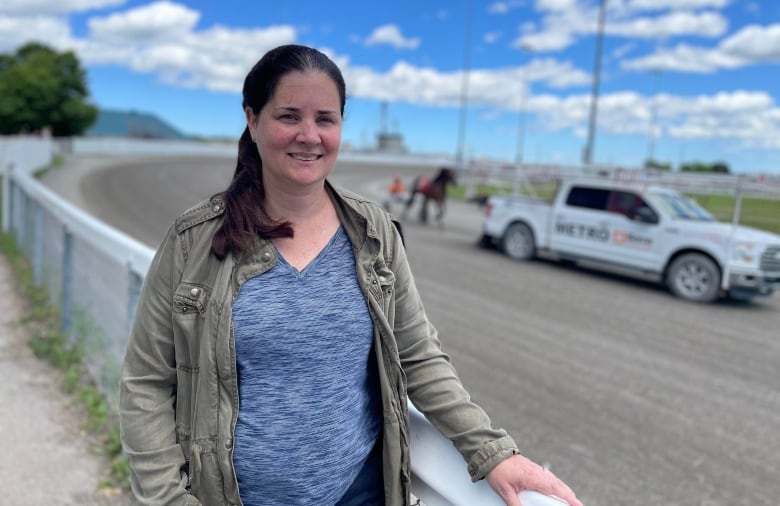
x=179, y=395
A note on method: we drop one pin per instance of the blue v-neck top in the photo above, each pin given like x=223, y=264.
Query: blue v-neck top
x=309, y=406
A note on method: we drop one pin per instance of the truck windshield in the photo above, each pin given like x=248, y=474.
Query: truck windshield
x=682, y=207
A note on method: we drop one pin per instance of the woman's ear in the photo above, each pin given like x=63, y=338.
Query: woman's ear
x=251, y=121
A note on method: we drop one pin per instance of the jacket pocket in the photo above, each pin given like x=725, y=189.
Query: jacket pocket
x=190, y=303
x=206, y=479
x=191, y=299
x=386, y=289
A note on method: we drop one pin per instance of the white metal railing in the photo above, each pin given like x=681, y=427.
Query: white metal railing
x=94, y=274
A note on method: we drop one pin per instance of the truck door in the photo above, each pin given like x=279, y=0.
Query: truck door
x=613, y=226
x=579, y=226
x=634, y=230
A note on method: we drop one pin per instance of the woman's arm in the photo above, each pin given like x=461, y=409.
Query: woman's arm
x=435, y=389
x=148, y=390
x=432, y=382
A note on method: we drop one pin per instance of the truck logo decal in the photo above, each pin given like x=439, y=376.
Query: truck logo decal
x=625, y=238
x=600, y=234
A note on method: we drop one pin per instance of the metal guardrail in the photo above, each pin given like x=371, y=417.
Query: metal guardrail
x=93, y=273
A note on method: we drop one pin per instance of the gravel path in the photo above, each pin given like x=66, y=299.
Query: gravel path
x=47, y=458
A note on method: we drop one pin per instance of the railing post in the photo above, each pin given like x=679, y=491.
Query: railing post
x=37, y=244
x=66, y=318
x=21, y=220
x=6, y=175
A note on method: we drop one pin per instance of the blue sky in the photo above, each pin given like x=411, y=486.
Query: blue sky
x=681, y=80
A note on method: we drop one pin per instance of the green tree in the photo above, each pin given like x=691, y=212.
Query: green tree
x=655, y=164
x=41, y=88
x=717, y=167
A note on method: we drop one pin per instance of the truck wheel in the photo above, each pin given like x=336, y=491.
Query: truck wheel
x=694, y=277
x=518, y=242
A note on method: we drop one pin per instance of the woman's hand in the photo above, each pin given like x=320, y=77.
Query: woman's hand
x=518, y=473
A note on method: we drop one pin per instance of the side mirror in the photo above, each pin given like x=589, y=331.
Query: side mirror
x=645, y=215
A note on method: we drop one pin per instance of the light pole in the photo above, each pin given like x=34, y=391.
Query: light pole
x=653, y=120
x=521, y=120
x=464, y=93
x=587, y=152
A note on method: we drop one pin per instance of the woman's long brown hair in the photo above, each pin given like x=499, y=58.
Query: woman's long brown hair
x=245, y=217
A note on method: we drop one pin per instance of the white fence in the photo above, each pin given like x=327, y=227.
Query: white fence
x=761, y=185
x=93, y=273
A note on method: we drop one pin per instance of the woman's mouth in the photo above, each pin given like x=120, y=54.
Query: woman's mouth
x=305, y=157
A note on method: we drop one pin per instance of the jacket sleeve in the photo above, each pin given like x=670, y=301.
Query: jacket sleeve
x=433, y=384
x=148, y=390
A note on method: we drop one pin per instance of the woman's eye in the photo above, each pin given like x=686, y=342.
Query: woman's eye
x=328, y=120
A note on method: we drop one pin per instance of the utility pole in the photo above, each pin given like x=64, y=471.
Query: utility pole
x=464, y=93
x=653, y=118
x=587, y=152
x=520, y=149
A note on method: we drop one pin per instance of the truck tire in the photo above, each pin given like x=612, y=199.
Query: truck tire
x=694, y=277
x=518, y=242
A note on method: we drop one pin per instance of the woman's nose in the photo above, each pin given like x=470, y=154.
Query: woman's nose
x=308, y=134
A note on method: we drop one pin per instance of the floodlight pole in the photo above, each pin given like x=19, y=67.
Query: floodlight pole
x=653, y=119
x=521, y=121
x=587, y=153
x=464, y=93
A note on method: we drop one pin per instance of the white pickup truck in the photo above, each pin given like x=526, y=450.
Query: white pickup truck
x=644, y=228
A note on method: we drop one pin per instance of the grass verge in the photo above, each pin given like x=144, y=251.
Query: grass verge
x=51, y=345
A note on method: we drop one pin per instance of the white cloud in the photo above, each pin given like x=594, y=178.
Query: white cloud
x=391, y=35
x=498, y=88
x=504, y=6
x=157, y=21
x=683, y=58
x=622, y=50
x=564, y=21
x=754, y=43
x=556, y=5
x=48, y=7
x=751, y=45
x=752, y=118
x=546, y=41
x=161, y=38
x=677, y=4
x=491, y=37
x=16, y=31
x=704, y=24
x=556, y=74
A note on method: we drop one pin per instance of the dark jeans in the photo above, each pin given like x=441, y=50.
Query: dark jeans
x=368, y=488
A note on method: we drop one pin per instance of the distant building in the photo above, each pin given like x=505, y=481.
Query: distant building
x=390, y=143
x=386, y=141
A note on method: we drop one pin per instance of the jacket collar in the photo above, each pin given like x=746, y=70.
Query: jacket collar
x=357, y=216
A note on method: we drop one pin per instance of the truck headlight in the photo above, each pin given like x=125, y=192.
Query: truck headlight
x=744, y=252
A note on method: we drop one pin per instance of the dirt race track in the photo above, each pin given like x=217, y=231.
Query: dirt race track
x=632, y=396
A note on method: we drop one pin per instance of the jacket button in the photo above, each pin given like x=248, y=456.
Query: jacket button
x=228, y=443
x=217, y=208
x=266, y=256
x=195, y=292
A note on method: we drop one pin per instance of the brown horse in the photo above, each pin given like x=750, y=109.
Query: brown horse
x=432, y=189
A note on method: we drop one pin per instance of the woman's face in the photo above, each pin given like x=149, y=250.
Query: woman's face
x=298, y=131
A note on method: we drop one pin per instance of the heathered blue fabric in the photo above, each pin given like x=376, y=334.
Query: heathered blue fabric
x=309, y=407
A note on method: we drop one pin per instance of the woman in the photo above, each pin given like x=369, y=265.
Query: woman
x=279, y=332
